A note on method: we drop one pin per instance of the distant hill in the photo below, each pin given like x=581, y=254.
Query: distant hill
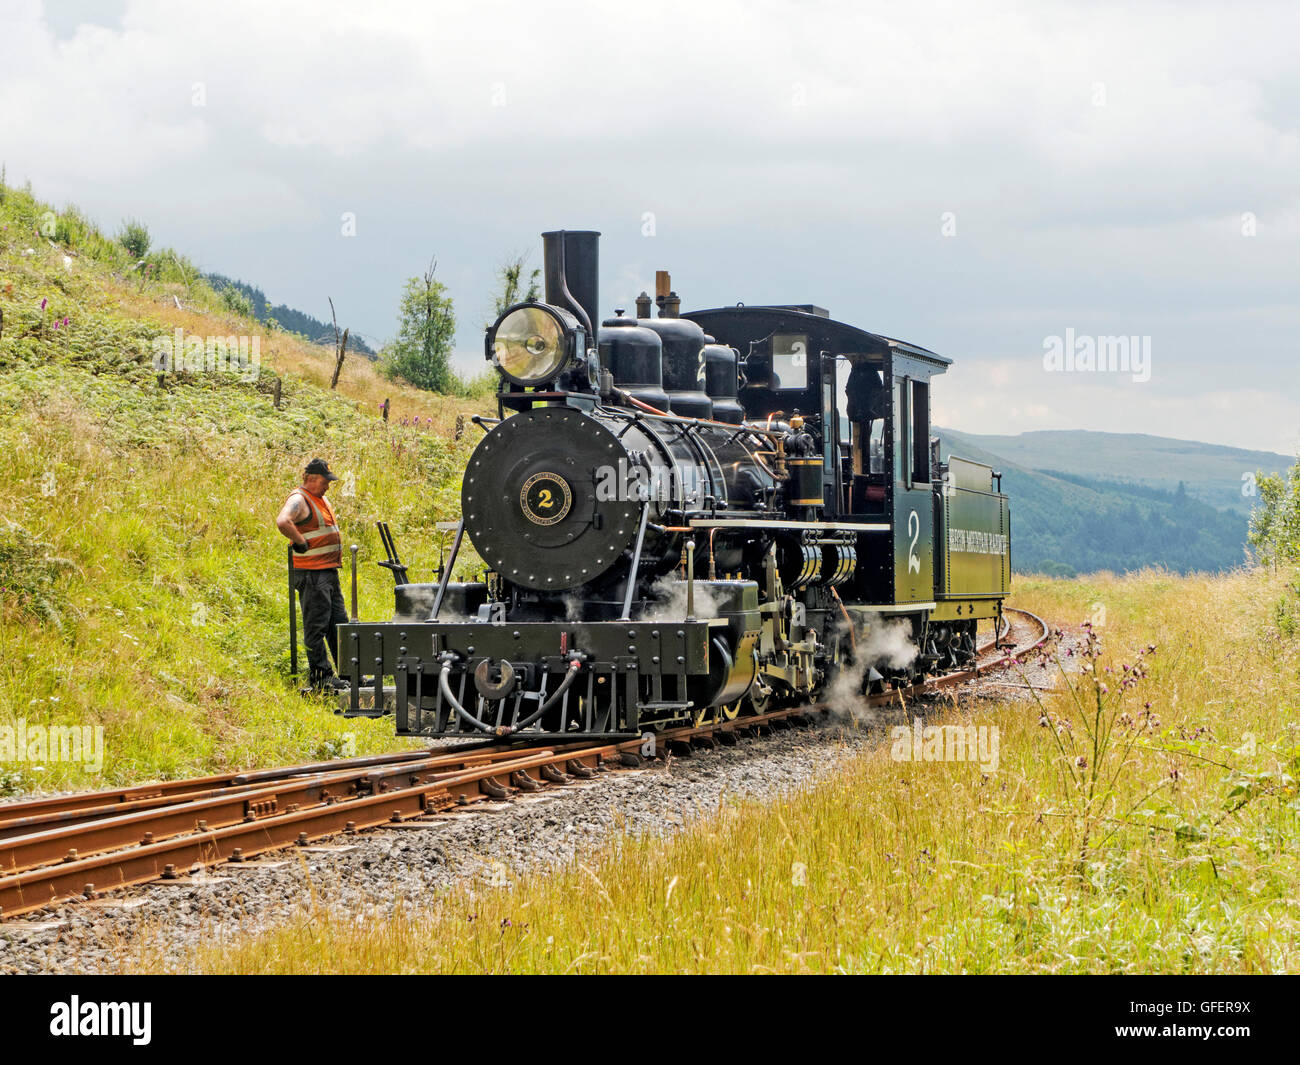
x=1085, y=501
x=1209, y=472
x=315, y=330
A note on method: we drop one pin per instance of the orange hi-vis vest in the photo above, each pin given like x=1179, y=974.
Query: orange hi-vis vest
x=324, y=545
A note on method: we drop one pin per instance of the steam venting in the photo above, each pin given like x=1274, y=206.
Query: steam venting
x=887, y=644
x=669, y=595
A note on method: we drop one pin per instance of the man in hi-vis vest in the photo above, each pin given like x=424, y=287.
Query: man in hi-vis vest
x=307, y=520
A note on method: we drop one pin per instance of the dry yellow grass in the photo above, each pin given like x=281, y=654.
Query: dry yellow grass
x=312, y=364
x=1191, y=864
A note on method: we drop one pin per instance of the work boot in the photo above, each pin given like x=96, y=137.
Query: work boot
x=329, y=683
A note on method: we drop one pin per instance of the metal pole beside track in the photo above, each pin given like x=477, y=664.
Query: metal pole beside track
x=354, y=617
x=446, y=573
x=293, y=621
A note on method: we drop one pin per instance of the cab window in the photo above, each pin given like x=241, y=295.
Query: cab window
x=920, y=432
x=790, y=360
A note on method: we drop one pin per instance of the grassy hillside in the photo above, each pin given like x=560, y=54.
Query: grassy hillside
x=1068, y=523
x=1169, y=845
x=142, y=581
x=1210, y=473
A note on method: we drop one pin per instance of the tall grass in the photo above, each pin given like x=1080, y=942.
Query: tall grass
x=142, y=583
x=1188, y=862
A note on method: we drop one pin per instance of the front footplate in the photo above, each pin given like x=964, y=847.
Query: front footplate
x=507, y=681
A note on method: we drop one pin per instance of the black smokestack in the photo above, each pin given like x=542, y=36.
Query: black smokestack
x=578, y=252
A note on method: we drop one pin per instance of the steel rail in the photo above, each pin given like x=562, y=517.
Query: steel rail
x=94, y=843
x=81, y=806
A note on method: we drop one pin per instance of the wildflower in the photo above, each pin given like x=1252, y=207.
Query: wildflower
x=505, y=922
x=1081, y=761
x=44, y=301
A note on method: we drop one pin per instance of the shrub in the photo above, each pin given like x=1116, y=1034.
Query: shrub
x=72, y=227
x=134, y=237
x=475, y=386
x=29, y=575
x=234, y=300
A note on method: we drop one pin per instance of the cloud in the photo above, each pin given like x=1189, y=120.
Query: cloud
x=1017, y=395
x=1097, y=161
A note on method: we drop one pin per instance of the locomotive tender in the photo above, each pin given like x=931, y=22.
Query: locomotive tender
x=685, y=517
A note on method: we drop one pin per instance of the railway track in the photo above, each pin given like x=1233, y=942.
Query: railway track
x=54, y=850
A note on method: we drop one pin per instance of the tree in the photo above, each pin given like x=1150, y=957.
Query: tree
x=1275, y=523
x=510, y=279
x=425, y=330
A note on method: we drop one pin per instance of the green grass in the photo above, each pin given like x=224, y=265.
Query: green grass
x=143, y=580
x=1188, y=862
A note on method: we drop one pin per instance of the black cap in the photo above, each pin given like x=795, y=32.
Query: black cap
x=318, y=466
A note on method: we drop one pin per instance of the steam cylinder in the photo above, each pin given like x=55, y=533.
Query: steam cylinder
x=683, y=365
x=721, y=384
x=635, y=356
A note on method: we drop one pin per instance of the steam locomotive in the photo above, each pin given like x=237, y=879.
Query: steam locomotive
x=686, y=517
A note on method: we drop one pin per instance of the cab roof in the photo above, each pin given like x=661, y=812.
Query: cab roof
x=750, y=324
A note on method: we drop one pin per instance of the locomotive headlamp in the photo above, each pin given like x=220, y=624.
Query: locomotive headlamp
x=532, y=342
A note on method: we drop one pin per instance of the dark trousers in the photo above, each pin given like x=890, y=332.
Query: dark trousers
x=321, y=599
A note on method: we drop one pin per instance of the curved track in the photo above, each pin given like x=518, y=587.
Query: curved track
x=78, y=846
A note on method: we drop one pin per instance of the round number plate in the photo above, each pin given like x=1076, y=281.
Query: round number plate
x=545, y=498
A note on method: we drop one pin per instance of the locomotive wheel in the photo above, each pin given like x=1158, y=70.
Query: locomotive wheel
x=713, y=715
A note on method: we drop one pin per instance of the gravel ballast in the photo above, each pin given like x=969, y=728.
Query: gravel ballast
x=491, y=842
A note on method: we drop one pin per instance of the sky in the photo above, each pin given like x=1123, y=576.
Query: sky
x=991, y=181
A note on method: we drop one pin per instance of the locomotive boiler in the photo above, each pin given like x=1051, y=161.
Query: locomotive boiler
x=684, y=517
